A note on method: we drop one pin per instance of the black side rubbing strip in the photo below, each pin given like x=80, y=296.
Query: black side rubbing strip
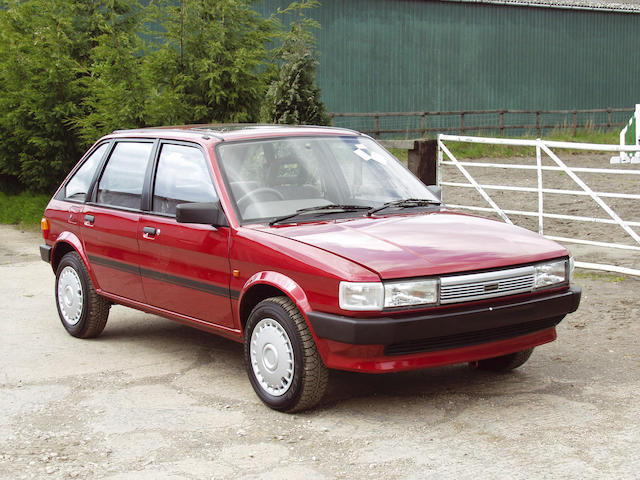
x=107, y=262
x=164, y=277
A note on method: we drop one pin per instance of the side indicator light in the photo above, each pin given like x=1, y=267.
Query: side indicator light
x=45, y=227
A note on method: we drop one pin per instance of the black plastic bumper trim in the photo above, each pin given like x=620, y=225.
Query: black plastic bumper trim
x=390, y=330
x=45, y=252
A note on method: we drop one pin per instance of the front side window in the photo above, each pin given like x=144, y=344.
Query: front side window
x=273, y=178
x=123, y=177
x=79, y=184
x=182, y=177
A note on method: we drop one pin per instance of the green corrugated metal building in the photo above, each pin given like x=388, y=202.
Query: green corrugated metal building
x=415, y=55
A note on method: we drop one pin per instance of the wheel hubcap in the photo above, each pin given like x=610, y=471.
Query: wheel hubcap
x=70, y=295
x=272, y=357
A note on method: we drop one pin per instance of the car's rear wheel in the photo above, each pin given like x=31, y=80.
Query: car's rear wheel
x=82, y=311
x=283, y=363
x=504, y=363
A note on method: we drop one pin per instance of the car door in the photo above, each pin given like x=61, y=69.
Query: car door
x=184, y=267
x=110, y=221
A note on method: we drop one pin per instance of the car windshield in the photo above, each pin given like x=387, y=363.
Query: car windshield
x=275, y=178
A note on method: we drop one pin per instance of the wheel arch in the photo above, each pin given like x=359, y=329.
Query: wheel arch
x=264, y=285
x=68, y=242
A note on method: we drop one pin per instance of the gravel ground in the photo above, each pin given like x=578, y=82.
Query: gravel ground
x=151, y=399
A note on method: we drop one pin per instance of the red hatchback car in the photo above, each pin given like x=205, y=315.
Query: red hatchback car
x=313, y=246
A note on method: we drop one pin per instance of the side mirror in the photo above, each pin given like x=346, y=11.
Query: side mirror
x=202, y=213
x=436, y=190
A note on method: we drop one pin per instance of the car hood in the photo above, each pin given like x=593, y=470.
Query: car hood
x=426, y=244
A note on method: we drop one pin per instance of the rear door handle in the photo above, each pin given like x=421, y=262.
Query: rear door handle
x=149, y=232
x=89, y=219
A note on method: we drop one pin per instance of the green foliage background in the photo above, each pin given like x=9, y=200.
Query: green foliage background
x=74, y=70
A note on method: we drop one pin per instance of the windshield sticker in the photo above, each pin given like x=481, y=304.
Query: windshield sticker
x=379, y=158
x=362, y=154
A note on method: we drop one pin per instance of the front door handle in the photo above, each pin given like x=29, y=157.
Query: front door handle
x=149, y=232
x=89, y=219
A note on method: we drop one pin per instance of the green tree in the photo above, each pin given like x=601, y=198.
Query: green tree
x=71, y=71
x=294, y=98
x=211, y=62
x=117, y=88
x=40, y=90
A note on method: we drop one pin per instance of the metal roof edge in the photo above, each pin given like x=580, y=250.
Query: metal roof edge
x=582, y=6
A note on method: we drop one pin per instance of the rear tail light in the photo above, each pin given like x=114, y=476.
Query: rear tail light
x=45, y=227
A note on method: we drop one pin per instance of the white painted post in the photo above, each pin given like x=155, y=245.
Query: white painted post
x=540, y=193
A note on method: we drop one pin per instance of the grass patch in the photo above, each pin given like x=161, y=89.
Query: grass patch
x=478, y=150
x=602, y=277
x=24, y=209
x=401, y=154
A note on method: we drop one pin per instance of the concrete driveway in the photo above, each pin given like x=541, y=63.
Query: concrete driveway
x=151, y=399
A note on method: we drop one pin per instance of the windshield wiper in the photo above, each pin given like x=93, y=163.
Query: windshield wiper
x=321, y=209
x=405, y=203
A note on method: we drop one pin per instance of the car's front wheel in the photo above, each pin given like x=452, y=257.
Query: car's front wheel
x=82, y=311
x=504, y=363
x=283, y=363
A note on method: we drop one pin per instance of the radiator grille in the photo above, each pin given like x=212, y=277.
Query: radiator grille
x=478, y=286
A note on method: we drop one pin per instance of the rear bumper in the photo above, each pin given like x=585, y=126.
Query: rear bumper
x=441, y=337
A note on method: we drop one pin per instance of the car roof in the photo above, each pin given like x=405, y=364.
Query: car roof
x=229, y=132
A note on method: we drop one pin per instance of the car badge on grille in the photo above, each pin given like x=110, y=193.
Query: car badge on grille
x=491, y=287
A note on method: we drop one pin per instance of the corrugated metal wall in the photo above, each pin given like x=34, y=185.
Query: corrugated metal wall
x=412, y=55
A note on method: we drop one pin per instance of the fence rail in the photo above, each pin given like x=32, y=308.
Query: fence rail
x=468, y=120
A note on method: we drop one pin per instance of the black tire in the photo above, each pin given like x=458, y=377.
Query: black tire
x=504, y=363
x=82, y=311
x=305, y=377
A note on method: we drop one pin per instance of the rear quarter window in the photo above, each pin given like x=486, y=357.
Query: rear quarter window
x=78, y=186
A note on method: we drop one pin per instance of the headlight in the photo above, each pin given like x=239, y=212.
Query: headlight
x=361, y=296
x=547, y=274
x=402, y=294
x=374, y=295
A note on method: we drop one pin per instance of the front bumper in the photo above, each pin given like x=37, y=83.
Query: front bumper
x=489, y=329
x=389, y=330
x=45, y=252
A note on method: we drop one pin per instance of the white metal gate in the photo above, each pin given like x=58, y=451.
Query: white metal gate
x=545, y=147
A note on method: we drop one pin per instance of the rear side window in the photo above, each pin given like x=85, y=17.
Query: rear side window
x=79, y=184
x=182, y=177
x=123, y=177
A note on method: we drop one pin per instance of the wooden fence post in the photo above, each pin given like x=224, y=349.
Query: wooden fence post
x=423, y=161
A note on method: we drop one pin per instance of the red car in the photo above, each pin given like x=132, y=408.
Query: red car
x=313, y=246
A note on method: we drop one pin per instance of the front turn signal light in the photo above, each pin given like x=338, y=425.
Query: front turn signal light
x=45, y=227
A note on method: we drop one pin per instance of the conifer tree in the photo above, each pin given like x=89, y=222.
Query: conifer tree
x=210, y=64
x=294, y=98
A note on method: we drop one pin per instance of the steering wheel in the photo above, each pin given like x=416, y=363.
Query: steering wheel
x=250, y=197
